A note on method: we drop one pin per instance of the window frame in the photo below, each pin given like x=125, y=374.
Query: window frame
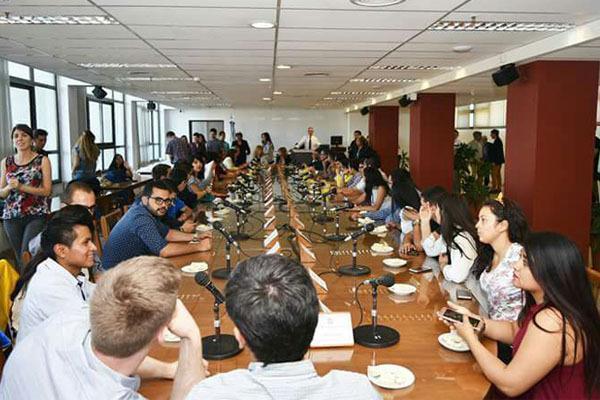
x=113, y=143
x=30, y=85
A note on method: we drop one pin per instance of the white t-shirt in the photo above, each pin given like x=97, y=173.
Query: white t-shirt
x=52, y=290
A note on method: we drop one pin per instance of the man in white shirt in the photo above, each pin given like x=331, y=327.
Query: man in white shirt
x=103, y=354
x=308, y=142
x=274, y=306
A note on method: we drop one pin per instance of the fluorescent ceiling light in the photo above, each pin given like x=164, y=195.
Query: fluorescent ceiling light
x=154, y=79
x=265, y=79
x=501, y=26
x=283, y=66
x=119, y=65
x=267, y=98
x=376, y=3
x=57, y=20
x=262, y=25
x=180, y=92
x=412, y=67
x=383, y=80
x=277, y=92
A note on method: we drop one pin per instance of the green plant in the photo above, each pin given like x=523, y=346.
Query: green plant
x=469, y=172
x=403, y=160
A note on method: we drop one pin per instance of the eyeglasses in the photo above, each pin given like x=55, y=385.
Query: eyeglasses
x=92, y=209
x=160, y=201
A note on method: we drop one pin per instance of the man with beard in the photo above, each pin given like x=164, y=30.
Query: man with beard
x=140, y=231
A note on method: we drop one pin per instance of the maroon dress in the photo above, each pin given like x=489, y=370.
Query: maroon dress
x=567, y=382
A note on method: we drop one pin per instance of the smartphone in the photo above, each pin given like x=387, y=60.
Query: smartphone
x=453, y=316
x=420, y=270
x=464, y=294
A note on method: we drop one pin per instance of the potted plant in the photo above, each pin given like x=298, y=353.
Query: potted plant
x=468, y=176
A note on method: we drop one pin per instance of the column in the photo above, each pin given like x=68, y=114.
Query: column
x=550, y=123
x=432, y=140
x=383, y=135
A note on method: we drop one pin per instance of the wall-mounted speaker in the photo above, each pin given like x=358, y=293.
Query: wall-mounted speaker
x=364, y=111
x=405, y=101
x=99, y=93
x=151, y=106
x=505, y=75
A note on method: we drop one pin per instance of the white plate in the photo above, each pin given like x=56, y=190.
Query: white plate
x=402, y=289
x=380, y=230
x=395, y=262
x=170, y=337
x=195, y=267
x=453, y=341
x=390, y=376
x=214, y=219
x=203, y=228
x=222, y=212
x=381, y=249
x=364, y=221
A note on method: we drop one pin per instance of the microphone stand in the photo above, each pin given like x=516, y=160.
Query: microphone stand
x=373, y=335
x=238, y=235
x=224, y=273
x=336, y=237
x=218, y=346
x=354, y=269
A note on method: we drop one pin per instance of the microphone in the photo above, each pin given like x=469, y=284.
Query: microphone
x=358, y=233
x=386, y=280
x=219, y=227
x=346, y=206
x=202, y=279
x=229, y=204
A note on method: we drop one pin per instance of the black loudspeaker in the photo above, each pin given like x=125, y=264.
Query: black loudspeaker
x=505, y=75
x=151, y=106
x=405, y=101
x=99, y=93
x=364, y=111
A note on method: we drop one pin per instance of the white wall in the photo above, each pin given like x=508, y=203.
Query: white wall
x=286, y=125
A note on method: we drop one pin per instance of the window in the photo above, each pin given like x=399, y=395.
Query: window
x=149, y=134
x=106, y=120
x=204, y=126
x=33, y=101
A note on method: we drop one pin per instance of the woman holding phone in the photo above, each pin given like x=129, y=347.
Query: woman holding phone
x=556, y=340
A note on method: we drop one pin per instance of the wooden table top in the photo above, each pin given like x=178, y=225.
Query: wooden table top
x=439, y=372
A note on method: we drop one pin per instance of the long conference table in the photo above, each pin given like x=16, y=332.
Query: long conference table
x=440, y=373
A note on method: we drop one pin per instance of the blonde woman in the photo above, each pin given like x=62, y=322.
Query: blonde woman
x=85, y=156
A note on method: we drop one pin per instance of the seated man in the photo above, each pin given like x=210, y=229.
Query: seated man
x=53, y=281
x=273, y=304
x=101, y=354
x=160, y=171
x=140, y=231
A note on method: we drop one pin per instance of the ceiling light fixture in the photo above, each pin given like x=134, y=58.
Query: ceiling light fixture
x=501, y=26
x=267, y=98
x=383, y=80
x=413, y=67
x=119, y=65
x=155, y=79
x=376, y=3
x=262, y=25
x=462, y=49
x=277, y=92
x=283, y=66
x=57, y=20
x=265, y=79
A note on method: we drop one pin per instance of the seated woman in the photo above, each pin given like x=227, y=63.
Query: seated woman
x=196, y=183
x=458, y=234
x=258, y=157
x=118, y=170
x=427, y=231
x=283, y=158
x=556, y=339
x=376, y=193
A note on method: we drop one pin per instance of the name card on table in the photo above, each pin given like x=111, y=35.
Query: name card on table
x=308, y=252
x=270, y=211
x=269, y=203
x=317, y=279
x=274, y=249
x=333, y=330
x=272, y=236
x=269, y=222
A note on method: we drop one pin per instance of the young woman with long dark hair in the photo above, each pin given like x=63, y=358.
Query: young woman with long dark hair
x=556, y=340
x=376, y=191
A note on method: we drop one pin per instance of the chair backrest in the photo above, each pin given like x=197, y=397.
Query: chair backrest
x=126, y=208
x=594, y=277
x=108, y=221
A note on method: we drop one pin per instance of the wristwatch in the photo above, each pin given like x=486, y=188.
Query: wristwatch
x=416, y=222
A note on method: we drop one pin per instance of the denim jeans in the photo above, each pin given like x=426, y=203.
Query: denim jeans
x=21, y=230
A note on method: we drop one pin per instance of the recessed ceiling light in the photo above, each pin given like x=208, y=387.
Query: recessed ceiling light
x=265, y=79
x=383, y=80
x=58, y=20
x=501, y=26
x=267, y=98
x=283, y=66
x=262, y=25
x=277, y=92
x=119, y=65
x=335, y=92
x=149, y=78
x=413, y=67
x=462, y=49
x=376, y=3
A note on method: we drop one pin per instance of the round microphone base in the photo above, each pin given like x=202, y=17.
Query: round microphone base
x=335, y=238
x=221, y=273
x=358, y=270
x=219, y=348
x=322, y=219
x=238, y=237
x=378, y=337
